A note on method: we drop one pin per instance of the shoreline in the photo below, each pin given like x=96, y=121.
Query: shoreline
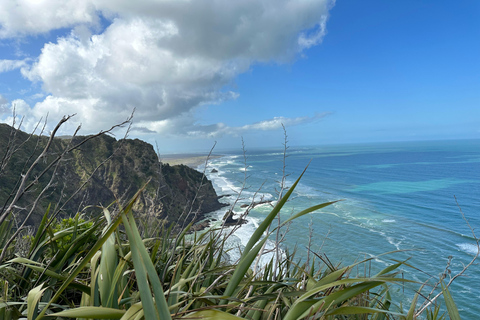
x=197, y=162
x=190, y=160
x=206, y=219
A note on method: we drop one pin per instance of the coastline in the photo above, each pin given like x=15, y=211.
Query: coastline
x=205, y=220
x=190, y=160
x=197, y=162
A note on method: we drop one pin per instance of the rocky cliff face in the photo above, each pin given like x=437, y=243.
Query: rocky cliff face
x=96, y=174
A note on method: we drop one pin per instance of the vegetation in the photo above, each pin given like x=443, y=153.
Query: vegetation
x=110, y=267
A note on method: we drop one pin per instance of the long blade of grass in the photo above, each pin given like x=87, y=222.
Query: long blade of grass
x=139, y=264
x=309, y=210
x=33, y=297
x=268, y=220
x=451, y=306
x=142, y=259
x=94, y=295
x=241, y=269
x=413, y=305
x=360, y=310
x=90, y=312
x=212, y=315
x=108, y=264
x=300, y=311
x=136, y=310
x=41, y=268
x=243, y=264
x=40, y=231
x=157, y=286
x=300, y=308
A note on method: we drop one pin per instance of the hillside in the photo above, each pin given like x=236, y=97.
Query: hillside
x=95, y=174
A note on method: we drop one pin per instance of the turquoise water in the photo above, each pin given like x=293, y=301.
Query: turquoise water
x=397, y=196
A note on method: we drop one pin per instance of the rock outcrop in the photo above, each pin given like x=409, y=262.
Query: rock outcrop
x=96, y=174
x=229, y=219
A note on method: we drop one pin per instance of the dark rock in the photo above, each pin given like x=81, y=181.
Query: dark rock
x=229, y=220
x=214, y=171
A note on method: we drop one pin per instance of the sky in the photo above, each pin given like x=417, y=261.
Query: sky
x=196, y=73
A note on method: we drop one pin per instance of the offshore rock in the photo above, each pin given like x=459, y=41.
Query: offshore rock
x=229, y=220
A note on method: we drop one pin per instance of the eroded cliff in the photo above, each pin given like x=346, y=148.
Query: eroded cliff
x=96, y=174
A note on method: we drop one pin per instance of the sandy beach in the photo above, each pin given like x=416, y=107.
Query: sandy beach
x=191, y=160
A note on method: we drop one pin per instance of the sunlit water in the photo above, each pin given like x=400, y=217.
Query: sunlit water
x=397, y=196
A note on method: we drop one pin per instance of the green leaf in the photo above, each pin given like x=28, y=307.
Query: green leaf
x=90, y=312
x=94, y=294
x=108, y=265
x=242, y=266
x=451, y=306
x=359, y=310
x=413, y=305
x=33, y=297
x=134, y=312
x=145, y=270
x=268, y=220
x=302, y=306
x=212, y=315
x=309, y=210
x=40, y=231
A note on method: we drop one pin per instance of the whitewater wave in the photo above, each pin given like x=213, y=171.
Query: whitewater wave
x=469, y=248
x=233, y=194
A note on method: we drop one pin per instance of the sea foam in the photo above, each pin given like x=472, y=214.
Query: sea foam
x=468, y=248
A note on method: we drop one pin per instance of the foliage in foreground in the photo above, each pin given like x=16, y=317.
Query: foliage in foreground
x=109, y=271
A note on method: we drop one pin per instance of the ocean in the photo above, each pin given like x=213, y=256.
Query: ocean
x=398, y=196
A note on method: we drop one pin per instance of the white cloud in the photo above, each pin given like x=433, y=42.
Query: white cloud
x=16, y=112
x=9, y=65
x=24, y=17
x=21, y=107
x=277, y=122
x=17, y=106
x=184, y=126
x=164, y=58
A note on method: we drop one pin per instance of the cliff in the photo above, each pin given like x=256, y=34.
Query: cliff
x=95, y=174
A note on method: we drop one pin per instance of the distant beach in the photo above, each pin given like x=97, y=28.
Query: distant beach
x=191, y=160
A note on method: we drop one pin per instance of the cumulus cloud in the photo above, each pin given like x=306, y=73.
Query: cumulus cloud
x=163, y=58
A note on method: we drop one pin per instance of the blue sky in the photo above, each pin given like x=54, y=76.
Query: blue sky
x=331, y=72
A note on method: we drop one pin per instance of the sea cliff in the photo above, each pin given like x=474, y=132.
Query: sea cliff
x=97, y=173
